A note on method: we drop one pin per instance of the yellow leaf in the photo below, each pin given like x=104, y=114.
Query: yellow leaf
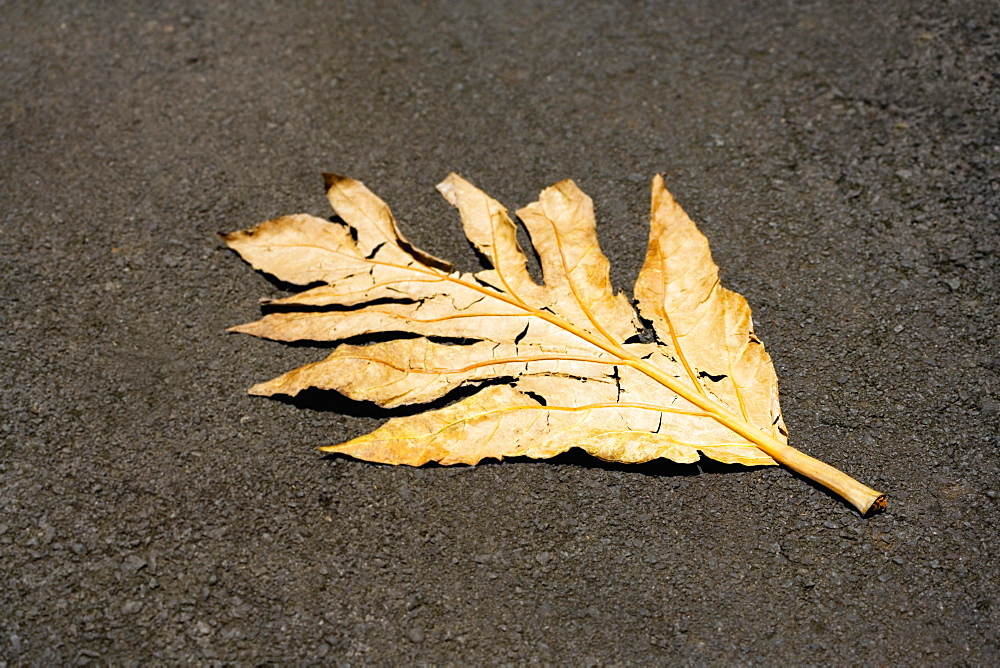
x=555, y=366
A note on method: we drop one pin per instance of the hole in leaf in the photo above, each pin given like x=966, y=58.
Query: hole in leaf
x=453, y=340
x=374, y=251
x=537, y=397
x=272, y=307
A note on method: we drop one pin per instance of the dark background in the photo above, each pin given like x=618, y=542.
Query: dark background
x=842, y=158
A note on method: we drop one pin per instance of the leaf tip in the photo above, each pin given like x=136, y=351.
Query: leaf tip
x=330, y=179
x=245, y=328
x=231, y=237
x=447, y=188
x=660, y=189
x=263, y=390
x=567, y=188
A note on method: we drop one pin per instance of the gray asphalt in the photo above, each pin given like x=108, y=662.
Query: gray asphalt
x=843, y=159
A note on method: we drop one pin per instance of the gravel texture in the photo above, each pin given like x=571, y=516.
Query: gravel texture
x=842, y=159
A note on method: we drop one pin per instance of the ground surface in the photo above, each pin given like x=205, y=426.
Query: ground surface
x=843, y=162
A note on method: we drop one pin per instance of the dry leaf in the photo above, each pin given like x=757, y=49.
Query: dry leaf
x=558, y=365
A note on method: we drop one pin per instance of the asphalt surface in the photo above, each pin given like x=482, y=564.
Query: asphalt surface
x=842, y=159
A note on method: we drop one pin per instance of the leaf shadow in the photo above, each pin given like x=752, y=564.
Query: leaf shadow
x=331, y=401
x=285, y=286
x=656, y=468
x=360, y=340
x=827, y=492
x=576, y=457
